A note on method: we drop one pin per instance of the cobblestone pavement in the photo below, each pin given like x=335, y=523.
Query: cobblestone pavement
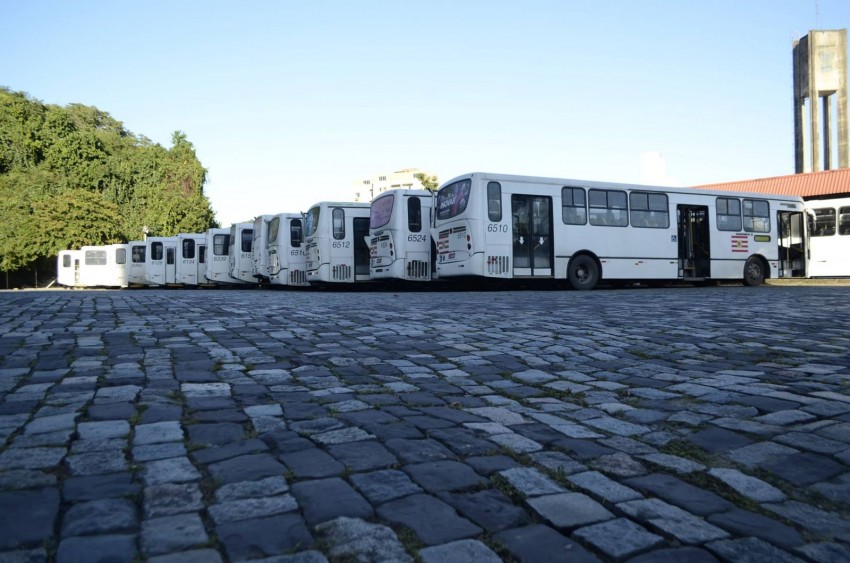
x=644, y=425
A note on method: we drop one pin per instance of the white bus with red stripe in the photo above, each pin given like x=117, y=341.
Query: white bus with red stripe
x=506, y=227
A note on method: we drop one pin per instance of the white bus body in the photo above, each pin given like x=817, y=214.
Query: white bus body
x=68, y=268
x=287, y=260
x=400, y=235
x=240, y=255
x=217, y=269
x=191, y=259
x=161, y=265
x=504, y=226
x=829, y=237
x=104, y=266
x=138, y=250
x=259, y=248
x=335, y=242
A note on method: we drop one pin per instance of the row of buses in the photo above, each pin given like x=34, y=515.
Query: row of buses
x=498, y=227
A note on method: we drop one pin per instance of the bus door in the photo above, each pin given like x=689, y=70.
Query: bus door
x=792, y=245
x=694, y=236
x=361, y=249
x=170, y=264
x=532, y=235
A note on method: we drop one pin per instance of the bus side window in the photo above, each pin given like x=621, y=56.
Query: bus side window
x=824, y=223
x=339, y=223
x=414, y=214
x=494, y=201
x=728, y=214
x=573, y=206
x=844, y=221
x=757, y=216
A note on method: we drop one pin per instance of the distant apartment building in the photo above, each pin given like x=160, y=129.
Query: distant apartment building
x=369, y=188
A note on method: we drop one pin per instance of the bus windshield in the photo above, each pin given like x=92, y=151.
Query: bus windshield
x=381, y=211
x=312, y=220
x=452, y=199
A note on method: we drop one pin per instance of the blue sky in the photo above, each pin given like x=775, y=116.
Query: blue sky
x=288, y=103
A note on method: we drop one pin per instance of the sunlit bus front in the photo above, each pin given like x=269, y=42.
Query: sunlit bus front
x=313, y=243
x=381, y=244
x=454, y=228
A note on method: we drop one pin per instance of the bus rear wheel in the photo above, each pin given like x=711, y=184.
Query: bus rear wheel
x=583, y=273
x=753, y=271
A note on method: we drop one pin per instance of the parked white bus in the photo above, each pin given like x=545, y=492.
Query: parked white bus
x=400, y=245
x=829, y=237
x=191, y=263
x=504, y=226
x=138, y=263
x=68, y=268
x=335, y=242
x=259, y=248
x=287, y=260
x=240, y=257
x=217, y=269
x=104, y=266
x=161, y=265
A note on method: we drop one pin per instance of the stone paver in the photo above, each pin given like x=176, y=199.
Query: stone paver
x=675, y=424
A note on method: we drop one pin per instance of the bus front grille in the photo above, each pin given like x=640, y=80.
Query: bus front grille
x=341, y=273
x=297, y=277
x=418, y=270
x=498, y=265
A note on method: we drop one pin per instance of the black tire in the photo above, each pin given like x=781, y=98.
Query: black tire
x=753, y=271
x=583, y=273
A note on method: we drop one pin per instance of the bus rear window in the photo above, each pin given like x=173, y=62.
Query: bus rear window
x=247, y=240
x=452, y=199
x=381, y=211
x=274, y=225
x=221, y=245
x=138, y=254
x=311, y=221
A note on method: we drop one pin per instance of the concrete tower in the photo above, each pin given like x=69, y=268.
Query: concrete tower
x=820, y=76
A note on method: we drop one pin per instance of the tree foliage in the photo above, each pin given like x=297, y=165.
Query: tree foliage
x=428, y=182
x=73, y=176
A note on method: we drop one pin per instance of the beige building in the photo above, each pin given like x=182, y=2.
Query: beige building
x=368, y=189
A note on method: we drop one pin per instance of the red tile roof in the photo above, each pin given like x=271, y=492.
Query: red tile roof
x=809, y=185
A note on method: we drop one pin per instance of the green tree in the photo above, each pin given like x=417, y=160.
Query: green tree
x=73, y=176
x=428, y=182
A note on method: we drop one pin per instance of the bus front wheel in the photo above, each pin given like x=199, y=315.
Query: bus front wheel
x=753, y=271
x=582, y=272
